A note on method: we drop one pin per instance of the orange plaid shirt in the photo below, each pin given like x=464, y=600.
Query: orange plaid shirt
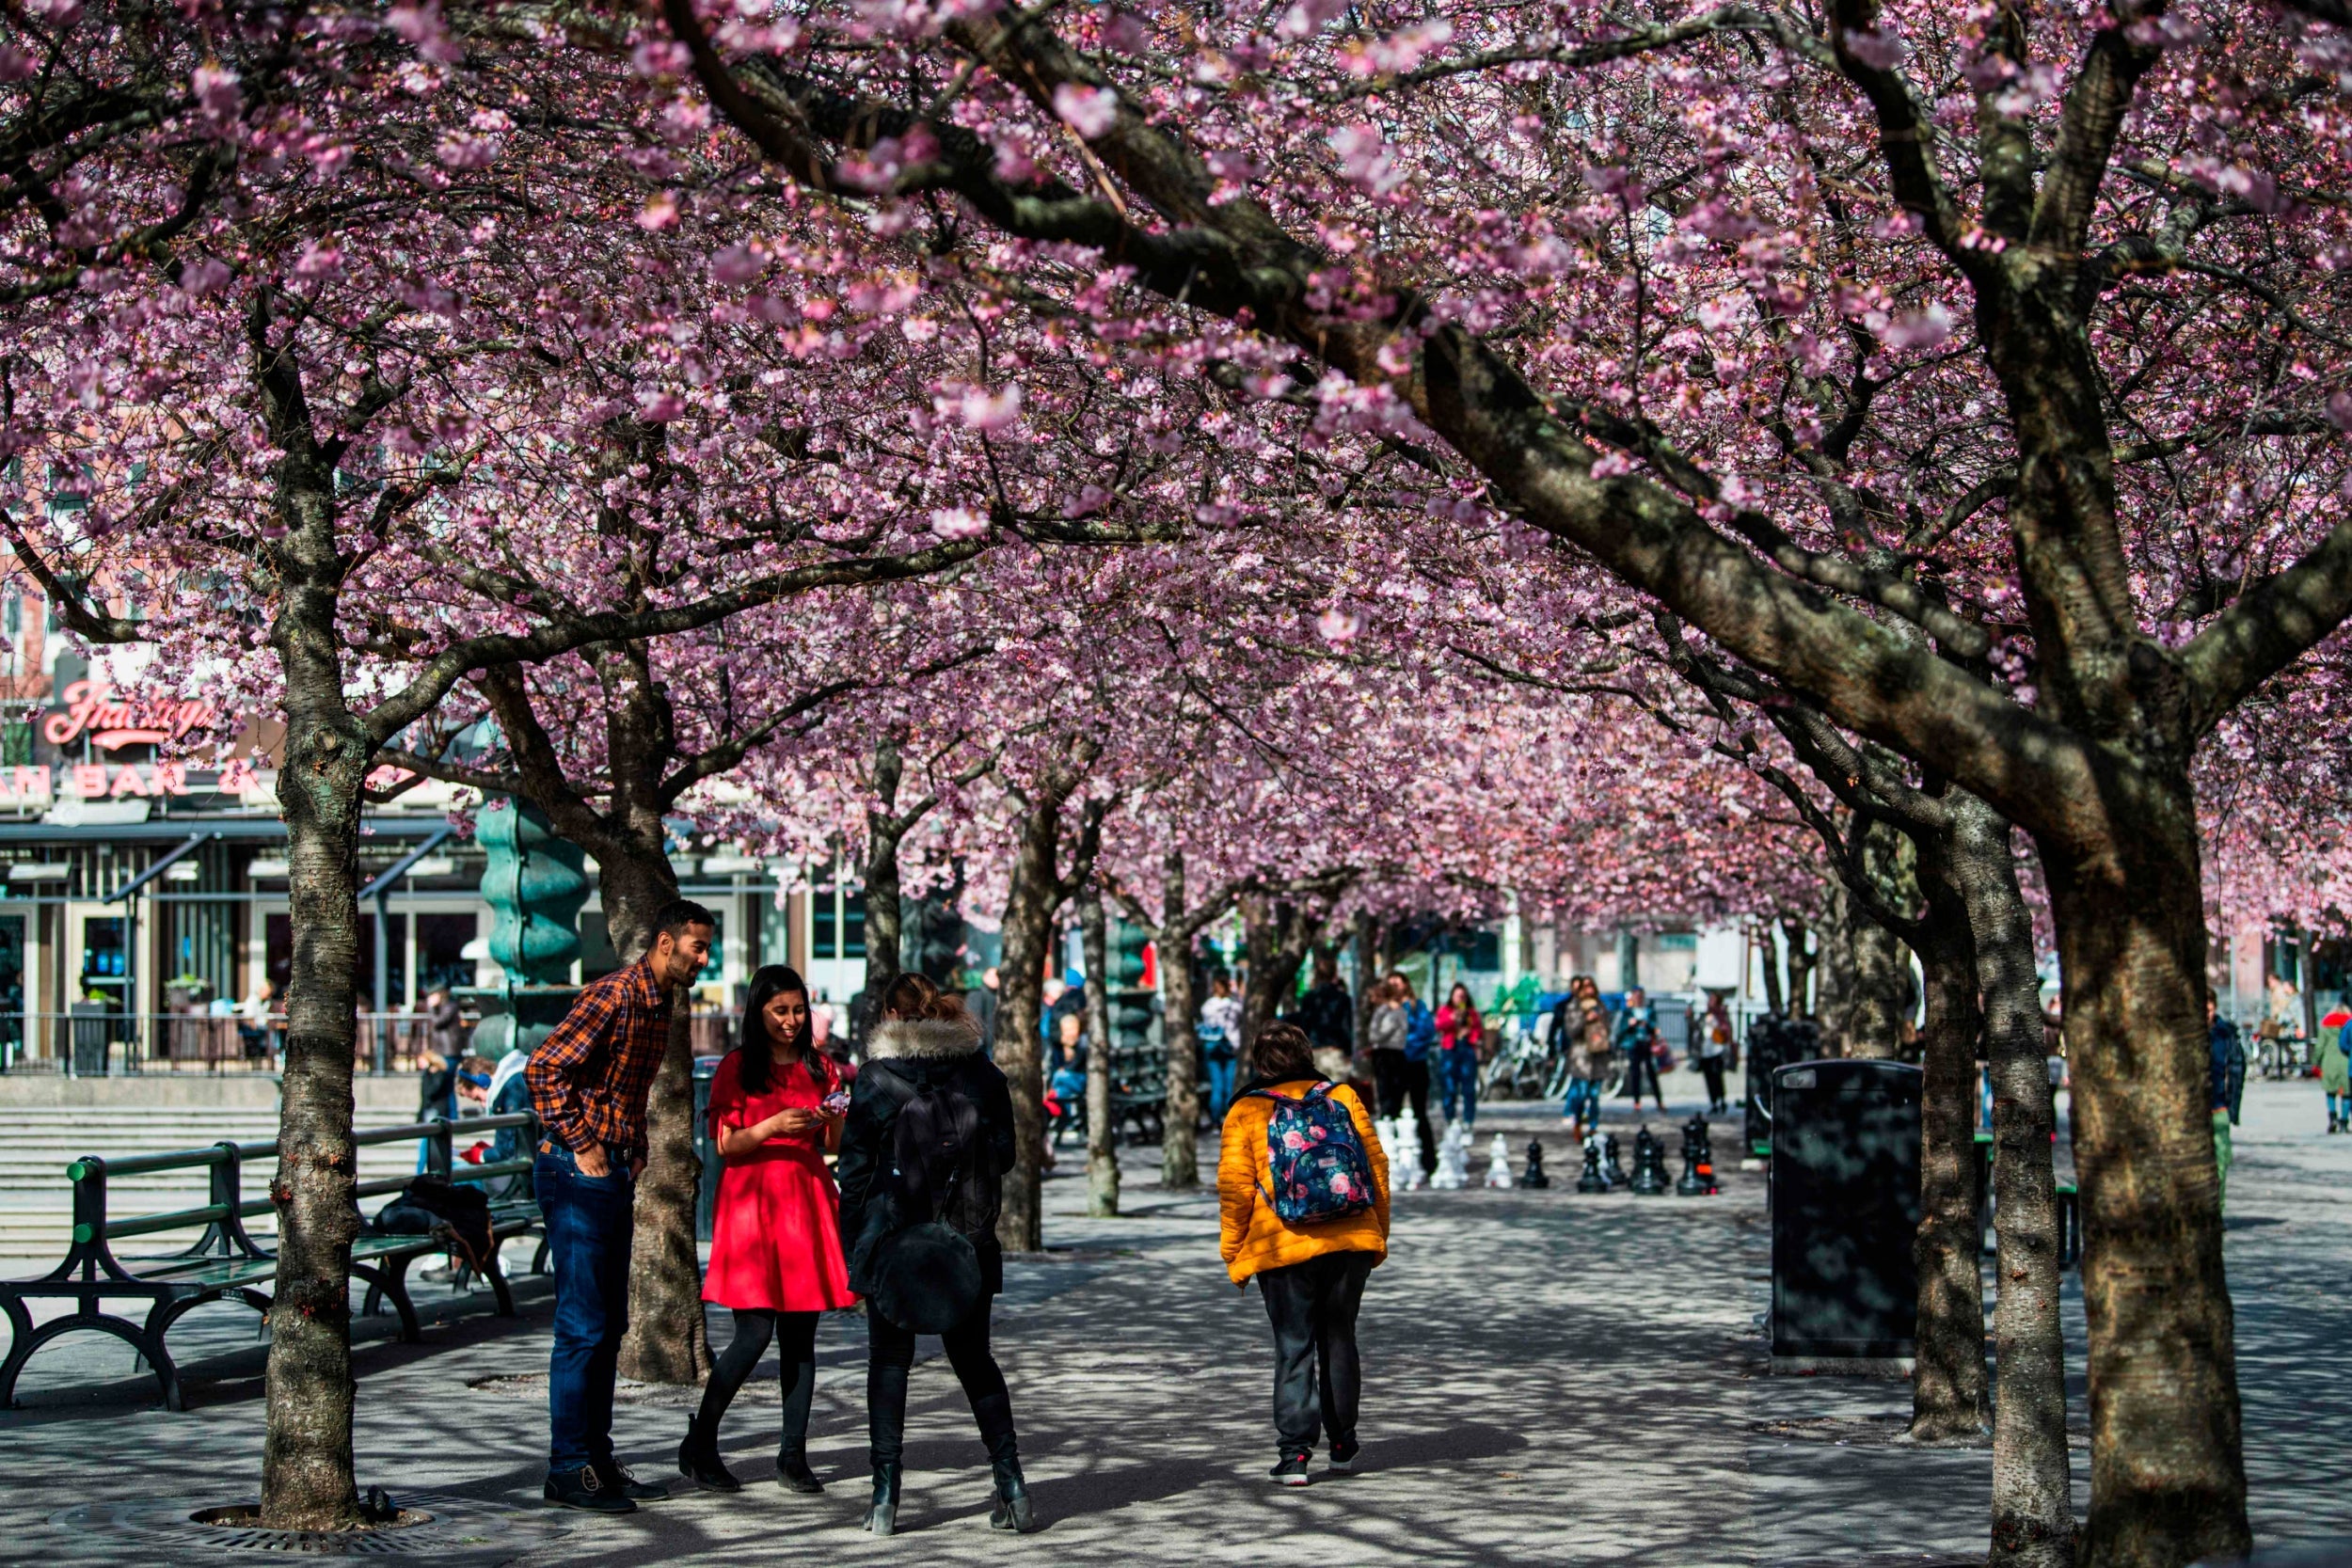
x=589, y=1079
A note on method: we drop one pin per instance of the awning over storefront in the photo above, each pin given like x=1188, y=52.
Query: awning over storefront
x=172, y=828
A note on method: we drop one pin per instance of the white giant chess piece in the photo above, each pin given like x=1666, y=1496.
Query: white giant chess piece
x=1407, y=1158
x=1498, y=1162
x=1391, y=1149
x=1453, y=1159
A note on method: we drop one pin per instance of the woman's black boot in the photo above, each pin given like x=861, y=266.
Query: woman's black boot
x=882, y=1517
x=1009, y=1509
x=698, y=1460
x=793, y=1471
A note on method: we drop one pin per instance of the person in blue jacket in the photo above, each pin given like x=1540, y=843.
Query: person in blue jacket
x=1420, y=1048
x=2228, y=1058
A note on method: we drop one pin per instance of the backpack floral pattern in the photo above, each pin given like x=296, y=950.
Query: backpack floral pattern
x=1315, y=1161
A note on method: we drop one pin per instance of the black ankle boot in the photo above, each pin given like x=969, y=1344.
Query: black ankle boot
x=882, y=1517
x=698, y=1461
x=1009, y=1509
x=793, y=1471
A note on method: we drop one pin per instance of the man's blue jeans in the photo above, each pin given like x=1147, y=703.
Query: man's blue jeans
x=1221, y=1086
x=1583, y=1104
x=589, y=1225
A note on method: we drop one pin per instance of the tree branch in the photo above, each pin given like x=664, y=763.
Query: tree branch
x=2268, y=627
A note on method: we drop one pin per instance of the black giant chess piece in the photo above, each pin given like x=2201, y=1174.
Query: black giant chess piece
x=1535, y=1177
x=1649, y=1165
x=1592, y=1181
x=1613, y=1166
x=1698, y=1175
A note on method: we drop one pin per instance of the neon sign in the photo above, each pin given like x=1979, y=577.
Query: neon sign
x=112, y=724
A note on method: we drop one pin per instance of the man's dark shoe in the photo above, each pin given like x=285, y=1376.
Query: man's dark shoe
x=617, y=1478
x=793, y=1474
x=698, y=1462
x=1344, y=1452
x=882, y=1517
x=1293, y=1470
x=585, y=1489
x=1009, y=1509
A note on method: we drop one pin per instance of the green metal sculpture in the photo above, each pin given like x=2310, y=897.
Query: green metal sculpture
x=535, y=883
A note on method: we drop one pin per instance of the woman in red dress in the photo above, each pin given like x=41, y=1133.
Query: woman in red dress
x=775, y=1235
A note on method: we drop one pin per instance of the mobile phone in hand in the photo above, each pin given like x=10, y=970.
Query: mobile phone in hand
x=836, y=1103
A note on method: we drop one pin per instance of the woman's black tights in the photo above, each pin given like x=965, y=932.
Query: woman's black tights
x=892, y=1354
x=795, y=1367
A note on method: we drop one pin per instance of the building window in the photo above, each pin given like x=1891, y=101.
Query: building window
x=441, y=941
x=837, y=923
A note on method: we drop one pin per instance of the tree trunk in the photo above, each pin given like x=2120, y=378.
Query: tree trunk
x=1371, y=963
x=1773, y=1000
x=1276, y=937
x=1028, y=929
x=1800, y=958
x=2033, y=1510
x=884, y=913
x=1948, y=1396
x=1880, y=976
x=1180, y=1016
x=1101, y=1133
x=307, y=1476
x=1833, y=1000
x=667, y=1339
x=2168, y=1481
x=884, y=916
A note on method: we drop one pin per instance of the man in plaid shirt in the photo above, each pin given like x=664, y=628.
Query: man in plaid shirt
x=588, y=1084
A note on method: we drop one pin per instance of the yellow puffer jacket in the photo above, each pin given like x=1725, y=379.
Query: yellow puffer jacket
x=1254, y=1237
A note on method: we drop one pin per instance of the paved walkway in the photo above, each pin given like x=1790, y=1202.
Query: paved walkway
x=1550, y=1378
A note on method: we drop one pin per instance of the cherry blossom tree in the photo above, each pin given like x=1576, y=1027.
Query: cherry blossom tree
x=1577, y=252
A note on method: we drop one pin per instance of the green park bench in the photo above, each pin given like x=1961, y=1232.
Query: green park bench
x=226, y=1263
x=2070, y=1207
x=1138, y=1092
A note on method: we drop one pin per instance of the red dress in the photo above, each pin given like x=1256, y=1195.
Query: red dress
x=775, y=1236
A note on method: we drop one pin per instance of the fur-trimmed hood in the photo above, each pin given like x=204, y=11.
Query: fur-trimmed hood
x=924, y=1039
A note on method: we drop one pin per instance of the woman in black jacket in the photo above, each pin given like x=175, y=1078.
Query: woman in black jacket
x=927, y=1046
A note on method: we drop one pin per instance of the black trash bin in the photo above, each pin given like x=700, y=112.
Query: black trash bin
x=93, y=1029
x=1773, y=1043
x=1845, y=1211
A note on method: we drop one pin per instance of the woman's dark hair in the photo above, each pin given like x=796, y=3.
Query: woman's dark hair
x=768, y=983
x=1281, y=1052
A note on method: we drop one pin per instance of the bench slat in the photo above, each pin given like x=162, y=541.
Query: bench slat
x=146, y=1224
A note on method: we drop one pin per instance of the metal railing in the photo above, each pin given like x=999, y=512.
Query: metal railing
x=96, y=1041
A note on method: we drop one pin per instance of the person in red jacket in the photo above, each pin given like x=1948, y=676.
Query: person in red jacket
x=1460, y=1032
x=776, y=1104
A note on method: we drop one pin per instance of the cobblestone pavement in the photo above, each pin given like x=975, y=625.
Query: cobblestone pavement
x=1550, y=1378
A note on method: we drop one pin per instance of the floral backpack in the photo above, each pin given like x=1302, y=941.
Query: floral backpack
x=1315, y=1159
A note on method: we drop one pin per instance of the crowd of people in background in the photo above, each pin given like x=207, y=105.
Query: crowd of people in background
x=873, y=1186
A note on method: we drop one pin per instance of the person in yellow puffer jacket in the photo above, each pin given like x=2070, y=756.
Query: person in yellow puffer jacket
x=1311, y=1275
